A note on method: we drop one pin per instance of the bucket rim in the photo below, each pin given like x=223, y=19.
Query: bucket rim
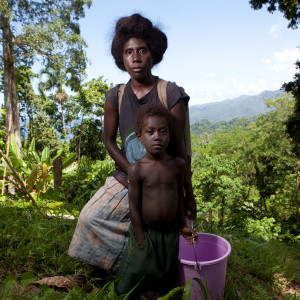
x=209, y=262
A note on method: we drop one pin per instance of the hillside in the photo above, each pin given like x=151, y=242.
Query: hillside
x=243, y=106
x=209, y=127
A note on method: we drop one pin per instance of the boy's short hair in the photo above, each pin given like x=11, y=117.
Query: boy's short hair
x=151, y=110
x=136, y=26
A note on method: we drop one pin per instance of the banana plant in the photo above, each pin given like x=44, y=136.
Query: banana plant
x=36, y=172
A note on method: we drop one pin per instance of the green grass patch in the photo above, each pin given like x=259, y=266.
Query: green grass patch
x=33, y=247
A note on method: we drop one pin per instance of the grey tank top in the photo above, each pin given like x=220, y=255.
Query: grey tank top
x=131, y=147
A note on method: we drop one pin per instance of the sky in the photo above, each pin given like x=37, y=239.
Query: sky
x=217, y=49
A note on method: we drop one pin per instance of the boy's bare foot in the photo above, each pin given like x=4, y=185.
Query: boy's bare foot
x=96, y=272
x=149, y=295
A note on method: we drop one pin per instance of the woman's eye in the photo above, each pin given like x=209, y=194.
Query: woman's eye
x=143, y=51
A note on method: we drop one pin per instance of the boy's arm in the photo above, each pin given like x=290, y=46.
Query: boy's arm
x=135, y=203
x=188, y=233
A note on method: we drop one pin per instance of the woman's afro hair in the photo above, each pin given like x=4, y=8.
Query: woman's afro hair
x=151, y=110
x=136, y=26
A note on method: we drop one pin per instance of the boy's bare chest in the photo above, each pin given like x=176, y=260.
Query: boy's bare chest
x=160, y=175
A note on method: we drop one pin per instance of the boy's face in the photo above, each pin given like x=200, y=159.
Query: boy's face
x=155, y=134
x=137, y=58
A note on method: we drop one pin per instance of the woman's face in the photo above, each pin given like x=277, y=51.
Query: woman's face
x=137, y=59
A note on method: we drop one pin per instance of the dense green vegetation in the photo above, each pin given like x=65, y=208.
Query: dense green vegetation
x=246, y=183
x=205, y=126
x=252, y=174
x=245, y=171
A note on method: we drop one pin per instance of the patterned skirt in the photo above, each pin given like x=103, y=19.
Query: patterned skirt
x=101, y=233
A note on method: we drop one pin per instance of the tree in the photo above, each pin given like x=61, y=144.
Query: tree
x=25, y=93
x=46, y=30
x=291, y=11
x=86, y=110
x=293, y=122
x=217, y=188
x=57, y=77
x=27, y=97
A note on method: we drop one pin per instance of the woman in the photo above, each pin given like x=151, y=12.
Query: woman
x=102, y=229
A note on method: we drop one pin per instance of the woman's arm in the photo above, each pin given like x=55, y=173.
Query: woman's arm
x=188, y=233
x=111, y=121
x=178, y=113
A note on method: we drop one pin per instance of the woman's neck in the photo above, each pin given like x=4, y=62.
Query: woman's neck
x=142, y=87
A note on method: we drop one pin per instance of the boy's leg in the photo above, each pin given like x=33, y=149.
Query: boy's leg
x=138, y=266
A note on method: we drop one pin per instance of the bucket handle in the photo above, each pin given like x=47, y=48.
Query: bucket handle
x=197, y=266
x=190, y=223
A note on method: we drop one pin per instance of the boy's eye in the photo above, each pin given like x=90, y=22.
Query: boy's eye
x=128, y=51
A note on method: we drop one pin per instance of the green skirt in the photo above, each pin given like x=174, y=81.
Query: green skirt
x=153, y=265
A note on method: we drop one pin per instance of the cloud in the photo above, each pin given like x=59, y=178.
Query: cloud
x=283, y=61
x=287, y=55
x=275, y=30
x=266, y=61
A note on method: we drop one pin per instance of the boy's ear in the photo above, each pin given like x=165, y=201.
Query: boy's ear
x=139, y=136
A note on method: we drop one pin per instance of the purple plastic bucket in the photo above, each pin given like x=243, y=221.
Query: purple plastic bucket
x=212, y=252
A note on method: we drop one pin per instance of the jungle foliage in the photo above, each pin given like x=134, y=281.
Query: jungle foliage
x=245, y=172
x=245, y=179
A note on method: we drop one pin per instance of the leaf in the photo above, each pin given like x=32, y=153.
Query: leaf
x=34, y=196
x=9, y=283
x=38, y=160
x=44, y=172
x=27, y=278
x=32, y=177
x=14, y=159
x=187, y=290
x=45, y=158
x=32, y=145
x=69, y=160
x=58, y=153
x=57, y=281
x=27, y=171
x=13, y=145
x=202, y=287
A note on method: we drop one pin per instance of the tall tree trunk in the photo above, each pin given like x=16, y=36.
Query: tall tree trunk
x=10, y=88
x=63, y=122
x=297, y=195
x=79, y=141
x=57, y=172
x=29, y=114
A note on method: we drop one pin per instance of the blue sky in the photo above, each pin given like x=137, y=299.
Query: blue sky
x=217, y=49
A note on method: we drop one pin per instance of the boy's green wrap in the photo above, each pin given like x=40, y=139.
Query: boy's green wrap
x=154, y=264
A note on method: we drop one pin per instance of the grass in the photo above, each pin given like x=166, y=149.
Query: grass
x=33, y=247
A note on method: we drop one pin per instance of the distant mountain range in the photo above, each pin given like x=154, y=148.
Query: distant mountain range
x=226, y=110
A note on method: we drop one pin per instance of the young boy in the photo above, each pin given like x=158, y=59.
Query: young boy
x=156, y=208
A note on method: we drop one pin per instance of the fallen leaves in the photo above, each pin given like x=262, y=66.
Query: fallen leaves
x=57, y=281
